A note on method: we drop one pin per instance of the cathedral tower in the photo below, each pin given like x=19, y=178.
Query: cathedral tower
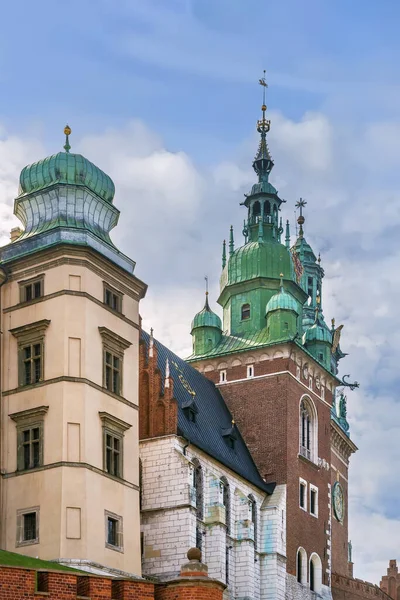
x=69, y=415
x=275, y=364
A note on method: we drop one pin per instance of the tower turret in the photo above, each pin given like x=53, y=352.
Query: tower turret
x=318, y=339
x=282, y=315
x=206, y=329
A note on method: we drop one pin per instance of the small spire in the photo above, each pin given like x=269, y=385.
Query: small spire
x=287, y=238
x=224, y=254
x=166, y=374
x=301, y=204
x=67, y=131
x=281, y=281
x=319, y=258
x=206, y=305
x=333, y=324
x=263, y=162
x=151, y=345
x=231, y=242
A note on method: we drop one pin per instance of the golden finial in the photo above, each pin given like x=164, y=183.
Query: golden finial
x=233, y=422
x=263, y=125
x=67, y=131
x=281, y=275
x=318, y=299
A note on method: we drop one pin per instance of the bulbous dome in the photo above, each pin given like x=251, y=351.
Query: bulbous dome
x=256, y=259
x=206, y=318
x=63, y=167
x=263, y=187
x=282, y=301
x=318, y=332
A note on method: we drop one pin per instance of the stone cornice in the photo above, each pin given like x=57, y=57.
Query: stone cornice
x=114, y=340
x=62, y=254
x=30, y=330
x=341, y=442
x=114, y=422
x=29, y=414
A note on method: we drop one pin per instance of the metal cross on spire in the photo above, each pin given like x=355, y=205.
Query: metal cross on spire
x=301, y=204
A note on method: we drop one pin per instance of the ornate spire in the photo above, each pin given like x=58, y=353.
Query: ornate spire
x=287, y=237
x=231, y=242
x=263, y=162
x=224, y=254
x=301, y=204
x=67, y=131
x=206, y=305
x=166, y=384
x=151, y=344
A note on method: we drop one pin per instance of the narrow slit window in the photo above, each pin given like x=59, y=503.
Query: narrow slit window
x=245, y=312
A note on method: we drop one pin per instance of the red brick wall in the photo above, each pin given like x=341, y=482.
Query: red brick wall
x=340, y=530
x=158, y=411
x=17, y=583
x=346, y=588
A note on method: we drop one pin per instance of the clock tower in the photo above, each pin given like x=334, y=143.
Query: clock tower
x=275, y=361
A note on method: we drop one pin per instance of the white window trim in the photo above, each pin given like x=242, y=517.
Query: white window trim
x=314, y=430
x=313, y=488
x=250, y=371
x=305, y=484
x=20, y=526
x=222, y=376
x=120, y=532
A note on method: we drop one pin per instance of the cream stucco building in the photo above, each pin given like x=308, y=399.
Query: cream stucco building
x=69, y=373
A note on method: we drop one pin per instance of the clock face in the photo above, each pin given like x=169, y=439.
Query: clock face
x=338, y=501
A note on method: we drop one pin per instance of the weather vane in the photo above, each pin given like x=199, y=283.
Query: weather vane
x=206, y=279
x=301, y=204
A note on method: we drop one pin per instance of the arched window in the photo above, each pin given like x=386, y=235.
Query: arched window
x=301, y=565
x=253, y=512
x=315, y=573
x=245, y=311
x=308, y=430
x=226, y=500
x=199, y=491
x=256, y=209
x=267, y=207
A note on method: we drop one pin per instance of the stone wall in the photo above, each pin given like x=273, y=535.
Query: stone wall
x=347, y=588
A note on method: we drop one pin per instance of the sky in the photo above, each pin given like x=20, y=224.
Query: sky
x=164, y=97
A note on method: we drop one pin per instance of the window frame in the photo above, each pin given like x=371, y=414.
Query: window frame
x=29, y=419
x=222, y=376
x=250, y=371
x=114, y=292
x=29, y=335
x=247, y=309
x=30, y=283
x=303, y=484
x=119, y=547
x=314, y=490
x=115, y=345
x=308, y=430
x=302, y=575
x=116, y=428
x=20, y=537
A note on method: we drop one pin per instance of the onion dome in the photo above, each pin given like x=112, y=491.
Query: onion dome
x=206, y=318
x=66, y=168
x=256, y=259
x=282, y=301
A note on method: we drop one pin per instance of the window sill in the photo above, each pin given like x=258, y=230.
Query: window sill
x=314, y=515
x=308, y=461
x=26, y=543
x=115, y=548
x=303, y=508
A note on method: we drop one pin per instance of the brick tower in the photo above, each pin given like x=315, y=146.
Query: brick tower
x=275, y=362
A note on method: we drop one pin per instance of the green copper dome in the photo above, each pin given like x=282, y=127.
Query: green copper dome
x=63, y=167
x=258, y=259
x=282, y=301
x=206, y=318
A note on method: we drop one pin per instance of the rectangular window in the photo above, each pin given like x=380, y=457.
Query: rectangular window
x=28, y=526
x=32, y=363
x=114, y=535
x=112, y=370
x=31, y=290
x=31, y=447
x=310, y=286
x=250, y=371
x=303, y=494
x=314, y=501
x=112, y=298
x=113, y=454
x=222, y=376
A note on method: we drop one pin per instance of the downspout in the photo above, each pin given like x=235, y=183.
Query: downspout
x=3, y=279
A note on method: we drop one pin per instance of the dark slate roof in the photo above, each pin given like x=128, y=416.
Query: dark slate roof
x=213, y=419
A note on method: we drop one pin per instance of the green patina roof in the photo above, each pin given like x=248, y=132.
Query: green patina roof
x=206, y=318
x=12, y=559
x=282, y=301
x=258, y=259
x=318, y=332
x=263, y=187
x=66, y=168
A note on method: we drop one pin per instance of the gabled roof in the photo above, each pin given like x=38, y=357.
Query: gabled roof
x=212, y=420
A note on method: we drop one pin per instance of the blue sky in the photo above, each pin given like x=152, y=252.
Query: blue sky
x=164, y=97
